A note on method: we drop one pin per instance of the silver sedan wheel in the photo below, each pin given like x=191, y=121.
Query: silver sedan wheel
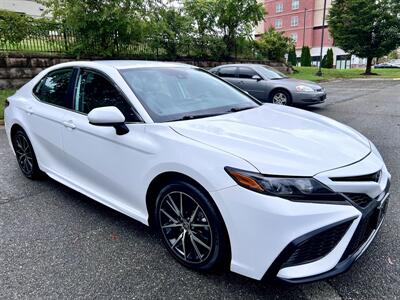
x=185, y=227
x=280, y=98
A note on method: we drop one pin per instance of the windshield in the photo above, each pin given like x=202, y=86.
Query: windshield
x=176, y=93
x=270, y=73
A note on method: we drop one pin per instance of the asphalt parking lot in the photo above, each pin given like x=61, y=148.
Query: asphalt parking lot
x=57, y=243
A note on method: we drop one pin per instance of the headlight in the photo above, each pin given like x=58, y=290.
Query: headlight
x=304, y=88
x=303, y=189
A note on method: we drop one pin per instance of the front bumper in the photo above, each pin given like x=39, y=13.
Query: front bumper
x=369, y=225
x=309, y=98
x=265, y=231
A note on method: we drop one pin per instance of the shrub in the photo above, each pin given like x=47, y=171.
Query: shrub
x=292, y=57
x=14, y=27
x=273, y=45
x=305, y=57
x=329, y=59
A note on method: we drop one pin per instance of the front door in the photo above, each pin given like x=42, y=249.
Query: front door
x=102, y=163
x=229, y=74
x=254, y=87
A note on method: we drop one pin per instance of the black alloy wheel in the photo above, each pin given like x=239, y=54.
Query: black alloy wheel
x=190, y=226
x=25, y=155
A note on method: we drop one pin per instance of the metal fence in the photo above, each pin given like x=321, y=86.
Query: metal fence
x=57, y=39
x=65, y=41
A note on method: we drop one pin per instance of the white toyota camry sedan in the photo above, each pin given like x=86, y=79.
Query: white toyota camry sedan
x=268, y=190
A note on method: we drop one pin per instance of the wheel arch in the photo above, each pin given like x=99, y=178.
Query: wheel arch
x=14, y=128
x=277, y=89
x=161, y=180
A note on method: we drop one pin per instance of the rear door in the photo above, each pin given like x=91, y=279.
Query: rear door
x=254, y=87
x=52, y=96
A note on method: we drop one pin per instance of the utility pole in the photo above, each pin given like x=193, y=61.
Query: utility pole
x=304, y=29
x=319, y=73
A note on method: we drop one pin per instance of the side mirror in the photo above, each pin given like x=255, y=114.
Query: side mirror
x=108, y=116
x=256, y=77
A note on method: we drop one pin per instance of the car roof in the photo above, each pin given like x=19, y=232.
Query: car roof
x=121, y=64
x=241, y=65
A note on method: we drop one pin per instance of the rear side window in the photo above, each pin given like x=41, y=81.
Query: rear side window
x=246, y=73
x=95, y=91
x=227, y=72
x=53, y=88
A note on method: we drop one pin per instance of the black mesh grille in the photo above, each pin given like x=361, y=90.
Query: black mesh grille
x=368, y=224
x=318, y=245
x=361, y=200
x=375, y=177
x=363, y=232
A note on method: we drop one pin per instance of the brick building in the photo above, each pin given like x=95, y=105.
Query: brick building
x=302, y=20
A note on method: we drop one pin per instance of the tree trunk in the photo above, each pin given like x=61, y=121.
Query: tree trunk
x=369, y=66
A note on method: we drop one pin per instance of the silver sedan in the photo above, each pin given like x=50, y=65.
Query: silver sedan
x=269, y=85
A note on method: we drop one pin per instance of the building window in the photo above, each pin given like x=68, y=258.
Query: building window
x=295, y=4
x=279, y=7
x=294, y=21
x=315, y=60
x=294, y=37
x=278, y=23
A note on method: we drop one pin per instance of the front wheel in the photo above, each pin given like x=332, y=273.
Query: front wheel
x=281, y=97
x=190, y=227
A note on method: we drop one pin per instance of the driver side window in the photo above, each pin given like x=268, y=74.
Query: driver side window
x=94, y=90
x=247, y=73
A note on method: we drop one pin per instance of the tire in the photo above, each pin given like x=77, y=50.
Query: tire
x=200, y=241
x=281, y=97
x=25, y=155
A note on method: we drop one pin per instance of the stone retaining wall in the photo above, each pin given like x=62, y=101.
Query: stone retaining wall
x=16, y=69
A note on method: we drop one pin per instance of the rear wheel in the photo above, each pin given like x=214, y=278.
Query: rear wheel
x=191, y=227
x=25, y=155
x=281, y=97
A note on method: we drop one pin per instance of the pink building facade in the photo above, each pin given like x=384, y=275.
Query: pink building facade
x=297, y=20
x=302, y=20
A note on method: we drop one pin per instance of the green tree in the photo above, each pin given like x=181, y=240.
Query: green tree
x=168, y=28
x=365, y=28
x=203, y=18
x=394, y=55
x=101, y=27
x=292, y=57
x=13, y=27
x=235, y=19
x=305, y=57
x=273, y=45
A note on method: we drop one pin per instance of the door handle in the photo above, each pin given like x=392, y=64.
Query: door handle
x=69, y=124
x=29, y=110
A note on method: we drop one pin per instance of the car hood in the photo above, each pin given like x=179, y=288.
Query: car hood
x=295, y=82
x=280, y=140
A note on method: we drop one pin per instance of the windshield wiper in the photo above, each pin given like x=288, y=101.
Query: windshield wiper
x=236, y=109
x=199, y=116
